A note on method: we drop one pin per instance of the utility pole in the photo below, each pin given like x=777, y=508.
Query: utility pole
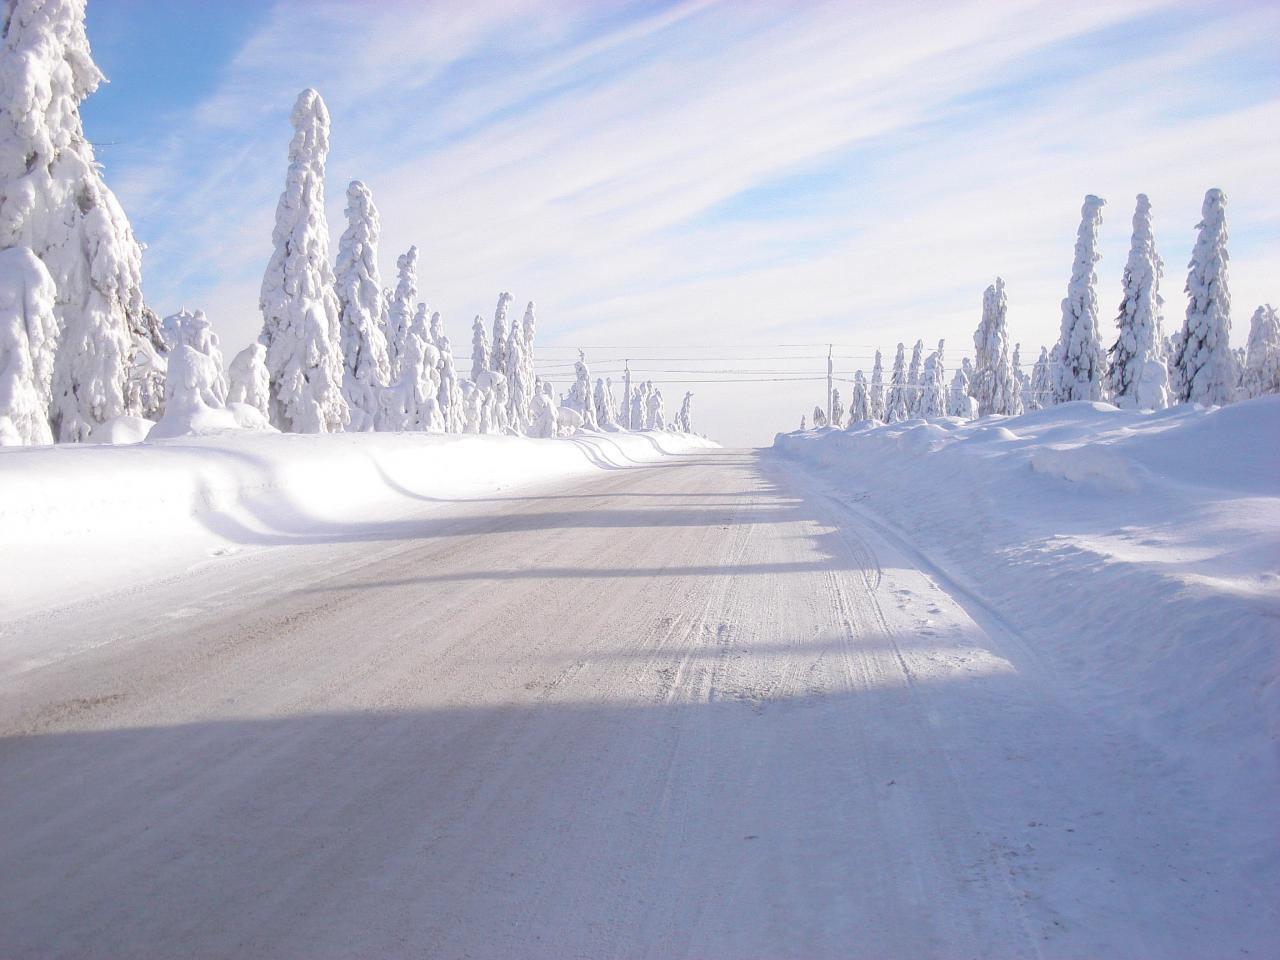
x=830, y=370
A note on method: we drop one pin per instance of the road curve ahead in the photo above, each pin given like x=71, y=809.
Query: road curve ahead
x=692, y=709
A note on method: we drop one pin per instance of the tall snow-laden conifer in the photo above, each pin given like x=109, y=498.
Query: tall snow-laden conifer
x=299, y=304
x=1262, y=357
x=683, y=421
x=860, y=401
x=498, y=349
x=54, y=201
x=1207, y=368
x=400, y=309
x=449, y=394
x=580, y=398
x=520, y=389
x=366, y=362
x=933, y=386
x=913, y=378
x=1040, y=390
x=479, y=349
x=528, y=371
x=993, y=384
x=875, y=396
x=657, y=417
x=837, y=408
x=897, y=406
x=1078, y=360
x=1137, y=377
x=28, y=341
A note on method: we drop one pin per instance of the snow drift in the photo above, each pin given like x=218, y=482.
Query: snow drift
x=1137, y=556
x=77, y=520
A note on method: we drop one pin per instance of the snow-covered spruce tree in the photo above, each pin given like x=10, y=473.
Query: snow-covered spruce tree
x=412, y=402
x=819, y=418
x=860, y=401
x=913, y=379
x=1020, y=378
x=1078, y=360
x=639, y=408
x=499, y=347
x=299, y=303
x=933, y=389
x=684, y=423
x=528, y=374
x=520, y=390
x=603, y=404
x=837, y=408
x=657, y=419
x=1262, y=358
x=54, y=201
x=897, y=406
x=579, y=398
x=624, y=411
x=960, y=402
x=1040, y=389
x=28, y=342
x=250, y=383
x=479, y=349
x=194, y=330
x=449, y=395
x=610, y=401
x=1137, y=377
x=400, y=309
x=994, y=386
x=365, y=360
x=544, y=415
x=875, y=394
x=1207, y=367
x=803, y=427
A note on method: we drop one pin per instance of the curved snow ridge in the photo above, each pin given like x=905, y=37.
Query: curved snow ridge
x=84, y=519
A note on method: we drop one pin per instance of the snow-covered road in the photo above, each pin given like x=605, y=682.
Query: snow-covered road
x=697, y=708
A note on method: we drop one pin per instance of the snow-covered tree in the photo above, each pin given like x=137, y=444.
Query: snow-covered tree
x=54, y=201
x=1078, y=361
x=299, y=304
x=544, y=415
x=639, y=406
x=528, y=375
x=520, y=389
x=365, y=360
x=802, y=423
x=603, y=405
x=28, y=341
x=837, y=408
x=1020, y=378
x=1262, y=358
x=580, y=398
x=401, y=308
x=933, y=388
x=624, y=411
x=683, y=421
x=994, y=386
x=250, y=383
x=194, y=330
x=610, y=401
x=860, y=401
x=898, y=406
x=913, y=379
x=656, y=419
x=1208, y=372
x=479, y=349
x=819, y=417
x=449, y=394
x=499, y=348
x=960, y=403
x=1040, y=390
x=1136, y=373
x=412, y=403
x=875, y=396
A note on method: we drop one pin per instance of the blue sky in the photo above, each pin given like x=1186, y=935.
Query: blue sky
x=702, y=173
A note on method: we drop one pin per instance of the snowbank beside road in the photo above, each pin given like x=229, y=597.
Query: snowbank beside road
x=76, y=519
x=1136, y=554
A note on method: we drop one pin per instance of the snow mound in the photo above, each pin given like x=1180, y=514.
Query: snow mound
x=1135, y=554
x=122, y=430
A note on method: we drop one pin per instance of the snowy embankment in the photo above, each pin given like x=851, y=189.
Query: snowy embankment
x=77, y=520
x=1137, y=555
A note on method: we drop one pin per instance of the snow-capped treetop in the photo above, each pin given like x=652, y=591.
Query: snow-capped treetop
x=875, y=396
x=1208, y=368
x=897, y=406
x=54, y=200
x=1078, y=363
x=299, y=301
x=1262, y=358
x=400, y=310
x=366, y=362
x=28, y=341
x=994, y=386
x=1136, y=372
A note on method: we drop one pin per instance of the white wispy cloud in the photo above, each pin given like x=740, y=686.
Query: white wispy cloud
x=733, y=173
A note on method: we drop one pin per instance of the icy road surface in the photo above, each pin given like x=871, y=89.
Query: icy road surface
x=693, y=709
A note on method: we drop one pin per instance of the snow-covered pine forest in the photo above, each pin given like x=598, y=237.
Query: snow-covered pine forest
x=1141, y=363
x=84, y=358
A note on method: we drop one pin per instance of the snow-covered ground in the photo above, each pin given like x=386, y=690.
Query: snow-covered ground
x=86, y=519
x=1136, y=554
